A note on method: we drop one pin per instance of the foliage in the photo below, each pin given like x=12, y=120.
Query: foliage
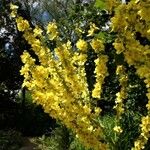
x=10, y=139
x=57, y=140
x=100, y=4
x=28, y=119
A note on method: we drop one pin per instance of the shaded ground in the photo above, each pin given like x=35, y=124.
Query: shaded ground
x=28, y=144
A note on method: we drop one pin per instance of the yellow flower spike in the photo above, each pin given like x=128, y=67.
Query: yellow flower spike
x=97, y=91
x=101, y=73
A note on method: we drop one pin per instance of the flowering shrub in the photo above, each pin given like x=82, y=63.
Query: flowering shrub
x=135, y=24
x=59, y=81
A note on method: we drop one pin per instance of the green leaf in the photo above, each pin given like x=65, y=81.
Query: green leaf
x=100, y=4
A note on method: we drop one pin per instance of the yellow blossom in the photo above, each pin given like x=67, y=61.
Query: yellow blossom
x=52, y=30
x=22, y=24
x=101, y=73
x=82, y=45
x=13, y=7
x=119, y=47
x=118, y=129
x=97, y=110
x=37, y=31
x=92, y=29
x=97, y=45
x=14, y=10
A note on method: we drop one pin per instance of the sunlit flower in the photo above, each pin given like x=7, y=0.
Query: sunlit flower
x=118, y=129
x=52, y=30
x=97, y=45
x=82, y=45
x=22, y=24
x=92, y=29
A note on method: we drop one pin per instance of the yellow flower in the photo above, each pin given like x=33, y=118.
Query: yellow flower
x=92, y=29
x=25, y=57
x=119, y=47
x=86, y=109
x=148, y=104
x=22, y=24
x=79, y=30
x=13, y=7
x=98, y=110
x=13, y=14
x=119, y=98
x=52, y=30
x=97, y=45
x=97, y=90
x=37, y=31
x=24, y=70
x=138, y=145
x=82, y=45
x=120, y=69
x=90, y=128
x=14, y=10
x=118, y=129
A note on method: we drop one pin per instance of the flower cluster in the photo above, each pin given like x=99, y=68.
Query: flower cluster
x=101, y=72
x=120, y=96
x=120, y=72
x=101, y=66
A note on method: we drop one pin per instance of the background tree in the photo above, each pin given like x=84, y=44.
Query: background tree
x=13, y=112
